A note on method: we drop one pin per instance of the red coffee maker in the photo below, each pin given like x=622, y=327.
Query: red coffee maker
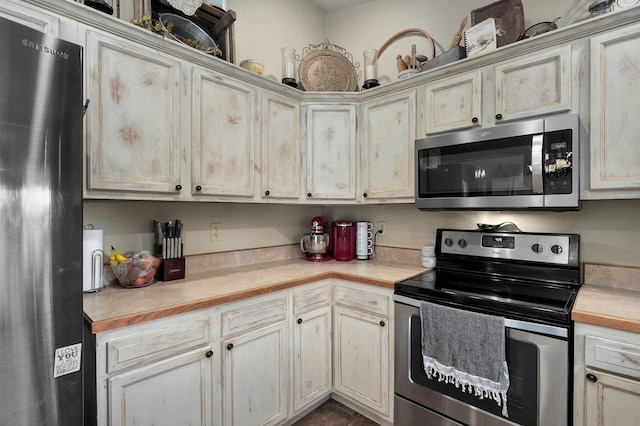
x=343, y=240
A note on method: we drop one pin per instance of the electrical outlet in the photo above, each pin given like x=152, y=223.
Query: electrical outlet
x=382, y=229
x=216, y=232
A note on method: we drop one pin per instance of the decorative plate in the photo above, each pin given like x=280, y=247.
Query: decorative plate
x=626, y=3
x=327, y=70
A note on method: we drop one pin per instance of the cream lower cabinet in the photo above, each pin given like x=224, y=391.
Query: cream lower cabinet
x=175, y=391
x=155, y=373
x=615, y=152
x=266, y=360
x=387, y=158
x=255, y=361
x=312, y=345
x=363, y=349
x=606, y=376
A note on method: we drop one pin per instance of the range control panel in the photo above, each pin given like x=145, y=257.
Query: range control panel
x=558, y=249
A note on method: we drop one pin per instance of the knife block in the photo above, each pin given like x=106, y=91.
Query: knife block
x=171, y=269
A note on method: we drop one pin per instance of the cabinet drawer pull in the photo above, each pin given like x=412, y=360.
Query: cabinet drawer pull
x=365, y=195
x=309, y=194
x=382, y=323
x=178, y=187
x=198, y=188
x=230, y=346
x=299, y=321
x=267, y=192
x=209, y=354
x=592, y=378
x=498, y=116
x=474, y=120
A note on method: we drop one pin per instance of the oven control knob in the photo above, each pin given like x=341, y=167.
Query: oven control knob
x=536, y=248
x=462, y=243
x=448, y=242
x=556, y=249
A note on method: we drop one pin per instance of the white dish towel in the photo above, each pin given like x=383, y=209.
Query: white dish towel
x=466, y=349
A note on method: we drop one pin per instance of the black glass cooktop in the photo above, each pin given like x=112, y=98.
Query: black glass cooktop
x=510, y=297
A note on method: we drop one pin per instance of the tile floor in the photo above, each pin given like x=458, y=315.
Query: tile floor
x=332, y=413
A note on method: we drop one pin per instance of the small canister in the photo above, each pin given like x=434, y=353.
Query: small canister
x=253, y=66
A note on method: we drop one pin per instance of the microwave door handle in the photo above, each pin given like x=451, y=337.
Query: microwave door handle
x=536, y=163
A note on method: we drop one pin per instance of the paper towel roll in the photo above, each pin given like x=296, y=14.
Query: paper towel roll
x=92, y=260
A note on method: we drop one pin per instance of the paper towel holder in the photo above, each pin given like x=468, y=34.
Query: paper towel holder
x=97, y=259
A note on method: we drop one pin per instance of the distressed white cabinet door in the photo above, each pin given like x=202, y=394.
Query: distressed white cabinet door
x=176, y=391
x=34, y=18
x=536, y=85
x=223, y=132
x=454, y=103
x=611, y=400
x=331, y=152
x=615, y=94
x=281, y=148
x=389, y=132
x=311, y=357
x=255, y=377
x=361, y=365
x=133, y=121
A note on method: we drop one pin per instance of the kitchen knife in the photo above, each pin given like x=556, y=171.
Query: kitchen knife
x=164, y=248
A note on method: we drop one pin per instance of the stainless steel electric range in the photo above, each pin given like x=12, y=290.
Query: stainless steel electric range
x=530, y=279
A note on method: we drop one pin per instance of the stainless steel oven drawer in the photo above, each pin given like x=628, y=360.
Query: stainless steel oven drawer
x=409, y=414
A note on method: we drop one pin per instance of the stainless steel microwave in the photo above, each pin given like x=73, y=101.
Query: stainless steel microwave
x=529, y=164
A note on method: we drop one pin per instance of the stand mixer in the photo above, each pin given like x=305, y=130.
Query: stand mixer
x=316, y=243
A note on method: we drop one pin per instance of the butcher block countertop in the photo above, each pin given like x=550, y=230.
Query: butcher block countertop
x=608, y=307
x=116, y=306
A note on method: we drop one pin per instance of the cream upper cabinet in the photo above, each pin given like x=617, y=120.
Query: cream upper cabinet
x=615, y=90
x=389, y=132
x=36, y=18
x=454, y=103
x=607, y=376
x=223, y=120
x=281, y=148
x=331, y=151
x=534, y=85
x=133, y=124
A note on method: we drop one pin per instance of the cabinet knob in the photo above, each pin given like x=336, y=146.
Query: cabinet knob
x=230, y=346
x=198, y=188
x=498, y=116
x=365, y=195
x=474, y=120
x=209, y=354
x=267, y=192
x=178, y=187
x=309, y=194
x=299, y=321
x=592, y=378
x=381, y=323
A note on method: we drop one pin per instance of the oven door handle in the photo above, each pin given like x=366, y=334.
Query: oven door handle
x=550, y=330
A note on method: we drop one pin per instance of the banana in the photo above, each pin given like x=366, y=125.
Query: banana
x=116, y=255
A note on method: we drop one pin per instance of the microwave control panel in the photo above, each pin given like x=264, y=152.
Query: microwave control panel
x=558, y=162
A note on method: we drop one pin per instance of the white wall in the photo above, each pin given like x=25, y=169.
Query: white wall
x=609, y=229
x=264, y=27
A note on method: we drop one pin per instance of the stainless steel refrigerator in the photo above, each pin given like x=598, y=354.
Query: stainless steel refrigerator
x=41, y=112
